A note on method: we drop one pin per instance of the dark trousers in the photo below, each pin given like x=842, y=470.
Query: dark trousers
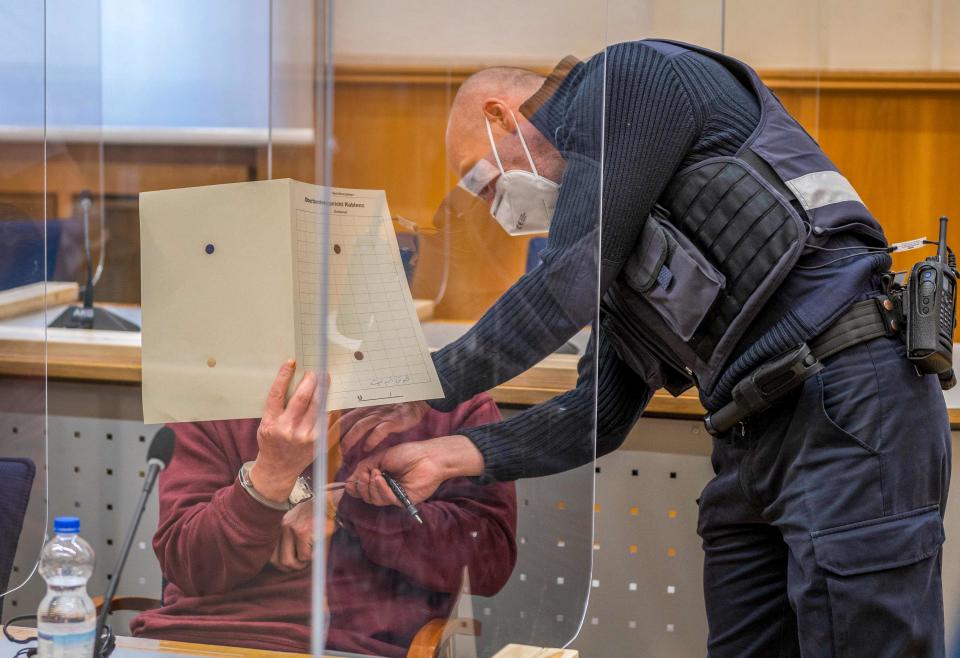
x=823, y=527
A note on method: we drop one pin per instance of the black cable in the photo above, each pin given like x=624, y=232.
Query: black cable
x=951, y=257
x=108, y=643
x=866, y=249
x=6, y=629
x=831, y=262
x=888, y=250
x=25, y=652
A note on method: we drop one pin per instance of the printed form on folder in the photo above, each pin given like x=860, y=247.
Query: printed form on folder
x=232, y=286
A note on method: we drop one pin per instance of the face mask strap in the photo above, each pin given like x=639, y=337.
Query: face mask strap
x=493, y=145
x=523, y=143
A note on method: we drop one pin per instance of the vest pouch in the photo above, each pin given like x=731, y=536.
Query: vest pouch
x=671, y=273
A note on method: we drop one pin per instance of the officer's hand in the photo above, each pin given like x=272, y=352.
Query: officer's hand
x=371, y=425
x=420, y=467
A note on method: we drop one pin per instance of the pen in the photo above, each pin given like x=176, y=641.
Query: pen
x=401, y=495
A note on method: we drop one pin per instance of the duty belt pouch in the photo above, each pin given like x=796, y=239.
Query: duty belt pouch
x=626, y=335
x=673, y=276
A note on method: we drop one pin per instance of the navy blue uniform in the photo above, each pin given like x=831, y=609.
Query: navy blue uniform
x=823, y=527
x=822, y=531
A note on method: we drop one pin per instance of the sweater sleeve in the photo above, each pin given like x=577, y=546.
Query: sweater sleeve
x=630, y=112
x=474, y=524
x=212, y=535
x=558, y=435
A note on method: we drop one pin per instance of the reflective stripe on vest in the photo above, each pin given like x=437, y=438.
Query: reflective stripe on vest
x=822, y=188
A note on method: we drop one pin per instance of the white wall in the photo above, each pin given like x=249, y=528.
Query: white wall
x=837, y=34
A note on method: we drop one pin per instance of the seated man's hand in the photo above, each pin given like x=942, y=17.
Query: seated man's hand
x=371, y=425
x=294, y=551
x=286, y=434
x=419, y=466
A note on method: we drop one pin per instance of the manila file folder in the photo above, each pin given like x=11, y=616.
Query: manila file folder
x=238, y=278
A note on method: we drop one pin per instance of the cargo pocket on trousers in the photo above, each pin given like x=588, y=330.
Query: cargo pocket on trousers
x=671, y=273
x=883, y=581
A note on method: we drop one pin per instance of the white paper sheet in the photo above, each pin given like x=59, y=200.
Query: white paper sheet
x=376, y=351
x=232, y=287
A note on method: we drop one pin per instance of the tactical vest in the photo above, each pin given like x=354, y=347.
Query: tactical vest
x=724, y=235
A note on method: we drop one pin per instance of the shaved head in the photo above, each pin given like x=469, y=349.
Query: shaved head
x=466, y=139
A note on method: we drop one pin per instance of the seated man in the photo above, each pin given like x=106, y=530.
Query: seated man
x=238, y=570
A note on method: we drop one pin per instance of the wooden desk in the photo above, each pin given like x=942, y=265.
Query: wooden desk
x=111, y=356
x=131, y=647
x=558, y=373
x=128, y=647
x=107, y=356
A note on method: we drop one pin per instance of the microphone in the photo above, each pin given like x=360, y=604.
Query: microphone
x=87, y=315
x=86, y=202
x=159, y=455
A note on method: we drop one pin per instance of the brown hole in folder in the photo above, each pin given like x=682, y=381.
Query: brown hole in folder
x=358, y=356
x=211, y=362
x=336, y=249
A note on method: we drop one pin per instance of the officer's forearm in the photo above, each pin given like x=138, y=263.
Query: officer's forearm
x=456, y=456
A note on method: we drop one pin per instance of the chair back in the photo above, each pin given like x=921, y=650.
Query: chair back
x=16, y=480
x=28, y=250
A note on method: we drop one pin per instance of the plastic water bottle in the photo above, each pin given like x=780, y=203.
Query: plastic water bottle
x=67, y=618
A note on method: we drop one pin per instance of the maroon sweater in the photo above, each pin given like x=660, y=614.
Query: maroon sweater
x=387, y=574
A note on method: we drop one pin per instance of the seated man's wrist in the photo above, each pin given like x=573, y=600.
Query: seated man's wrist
x=272, y=484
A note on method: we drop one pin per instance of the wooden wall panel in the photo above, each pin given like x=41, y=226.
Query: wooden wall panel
x=898, y=145
x=390, y=134
x=896, y=136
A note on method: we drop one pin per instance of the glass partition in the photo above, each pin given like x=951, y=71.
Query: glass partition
x=230, y=265
x=28, y=258
x=405, y=200
x=495, y=209
x=120, y=108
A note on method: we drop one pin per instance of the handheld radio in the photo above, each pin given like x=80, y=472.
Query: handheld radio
x=929, y=306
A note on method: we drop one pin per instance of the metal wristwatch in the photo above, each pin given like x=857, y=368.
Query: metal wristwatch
x=302, y=491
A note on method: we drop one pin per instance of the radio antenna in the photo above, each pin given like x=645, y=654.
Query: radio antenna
x=942, y=242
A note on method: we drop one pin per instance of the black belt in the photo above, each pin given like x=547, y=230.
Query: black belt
x=864, y=321
x=772, y=380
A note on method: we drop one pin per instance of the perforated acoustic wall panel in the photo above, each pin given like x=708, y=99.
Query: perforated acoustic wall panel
x=645, y=593
x=96, y=472
x=543, y=601
x=646, y=597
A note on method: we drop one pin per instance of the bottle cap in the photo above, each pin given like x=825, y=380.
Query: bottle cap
x=67, y=525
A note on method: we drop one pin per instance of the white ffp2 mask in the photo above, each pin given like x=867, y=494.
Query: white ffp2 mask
x=523, y=201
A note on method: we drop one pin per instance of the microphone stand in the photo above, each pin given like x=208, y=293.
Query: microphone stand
x=103, y=646
x=87, y=316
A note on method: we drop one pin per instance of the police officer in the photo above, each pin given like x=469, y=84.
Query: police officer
x=727, y=238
